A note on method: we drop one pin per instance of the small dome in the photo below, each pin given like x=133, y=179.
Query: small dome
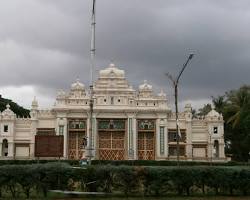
x=145, y=86
x=34, y=103
x=61, y=93
x=162, y=94
x=112, y=71
x=77, y=85
x=213, y=113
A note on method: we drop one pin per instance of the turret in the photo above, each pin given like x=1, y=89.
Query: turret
x=34, y=109
x=188, y=112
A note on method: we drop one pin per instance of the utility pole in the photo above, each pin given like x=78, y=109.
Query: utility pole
x=91, y=87
x=175, y=82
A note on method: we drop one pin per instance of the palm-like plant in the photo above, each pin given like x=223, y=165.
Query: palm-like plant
x=238, y=105
x=219, y=103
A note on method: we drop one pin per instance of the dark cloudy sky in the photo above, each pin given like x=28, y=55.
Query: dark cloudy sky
x=44, y=45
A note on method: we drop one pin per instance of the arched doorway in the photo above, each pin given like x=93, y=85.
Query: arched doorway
x=216, y=149
x=111, y=139
x=5, y=148
x=146, y=139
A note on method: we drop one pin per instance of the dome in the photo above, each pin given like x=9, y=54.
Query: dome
x=213, y=113
x=162, y=94
x=145, y=86
x=77, y=85
x=8, y=111
x=111, y=71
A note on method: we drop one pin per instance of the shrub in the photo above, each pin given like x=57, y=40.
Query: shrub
x=127, y=179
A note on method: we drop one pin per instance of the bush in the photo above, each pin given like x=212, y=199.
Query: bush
x=130, y=180
x=127, y=179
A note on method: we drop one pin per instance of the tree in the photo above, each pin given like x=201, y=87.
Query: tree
x=18, y=110
x=219, y=103
x=236, y=111
x=238, y=105
x=204, y=110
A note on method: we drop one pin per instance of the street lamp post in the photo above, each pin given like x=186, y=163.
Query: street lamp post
x=175, y=82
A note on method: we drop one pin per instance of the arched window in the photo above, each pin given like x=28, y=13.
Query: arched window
x=5, y=148
x=216, y=149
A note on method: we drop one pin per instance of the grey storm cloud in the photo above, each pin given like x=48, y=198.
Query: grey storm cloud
x=46, y=43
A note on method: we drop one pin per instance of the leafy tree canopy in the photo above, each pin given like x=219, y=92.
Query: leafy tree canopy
x=18, y=110
x=235, y=107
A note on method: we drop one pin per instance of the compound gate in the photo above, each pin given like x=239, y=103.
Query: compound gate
x=146, y=140
x=76, y=136
x=111, y=139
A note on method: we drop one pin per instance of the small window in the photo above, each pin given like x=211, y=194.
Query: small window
x=119, y=100
x=5, y=128
x=215, y=130
x=105, y=100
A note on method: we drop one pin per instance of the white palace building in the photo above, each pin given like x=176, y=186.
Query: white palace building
x=127, y=124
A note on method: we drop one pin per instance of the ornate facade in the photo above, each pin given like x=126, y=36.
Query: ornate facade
x=127, y=124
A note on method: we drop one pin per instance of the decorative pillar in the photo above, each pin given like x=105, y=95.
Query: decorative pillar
x=1, y=147
x=162, y=141
x=157, y=141
x=10, y=149
x=65, y=140
x=134, y=137
x=189, y=147
x=210, y=148
x=163, y=137
x=130, y=139
x=32, y=150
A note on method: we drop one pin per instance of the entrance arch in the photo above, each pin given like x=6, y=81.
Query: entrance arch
x=5, y=148
x=146, y=139
x=111, y=139
x=216, y=149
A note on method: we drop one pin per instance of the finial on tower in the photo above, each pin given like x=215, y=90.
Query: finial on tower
x=34, y=104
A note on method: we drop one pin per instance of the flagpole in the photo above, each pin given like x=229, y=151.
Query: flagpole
x=91, y=103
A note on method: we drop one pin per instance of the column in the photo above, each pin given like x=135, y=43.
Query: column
x=189, y=148
x=162, y=141
x=210, y=149
x=163, y=137
x=1, y=147
x=34, y=125
x=221, y=149
x=32, y=149
x=134, y=136
x=65, y=140
x=130, y=139
x=157, y=141
x=10, y=149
